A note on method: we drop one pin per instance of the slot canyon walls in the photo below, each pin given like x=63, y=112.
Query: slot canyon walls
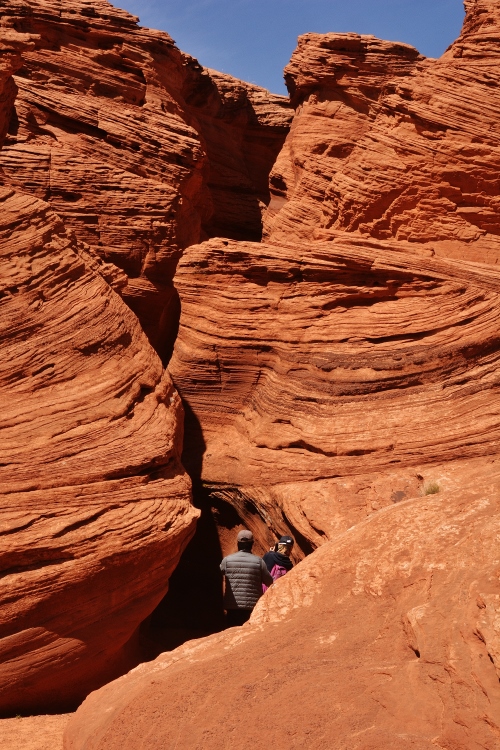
x=335, y=376
x=139, y=149
x=95, y=506
x=344, y=374
x=329, y=375
x=117, y=152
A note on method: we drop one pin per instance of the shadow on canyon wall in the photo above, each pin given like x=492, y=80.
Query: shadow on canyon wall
x=192, y=608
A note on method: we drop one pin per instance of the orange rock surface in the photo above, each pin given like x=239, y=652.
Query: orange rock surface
x=326, y=379
x=94, y=503
x=11, y=45
x=139, y=149
x=332, y=370
x=388, y=145
x=386, y=637
x=33, y=732
x=335, y=377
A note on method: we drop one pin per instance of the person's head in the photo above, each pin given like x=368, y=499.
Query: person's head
x=285, y=544
x=245, y=540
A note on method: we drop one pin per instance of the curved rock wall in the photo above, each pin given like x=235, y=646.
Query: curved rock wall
x=332, y=370
x=95, y=505
x=139, y=149
x=337, y=375
x=388, y=145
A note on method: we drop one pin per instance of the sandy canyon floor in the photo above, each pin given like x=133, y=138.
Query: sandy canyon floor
x=33, y=732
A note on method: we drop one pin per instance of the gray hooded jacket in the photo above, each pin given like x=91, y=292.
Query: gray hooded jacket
x=245, y=573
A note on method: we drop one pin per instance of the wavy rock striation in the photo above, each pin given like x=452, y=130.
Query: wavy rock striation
x=139, y=149
x=101, y=125
x=338, y=376
x=11, y=45
x=388, y=145
x=349, y=363
x=387, y=637
x=339, y=366
x=94, y=505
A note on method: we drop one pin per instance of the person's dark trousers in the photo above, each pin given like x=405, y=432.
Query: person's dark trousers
x=235, y=617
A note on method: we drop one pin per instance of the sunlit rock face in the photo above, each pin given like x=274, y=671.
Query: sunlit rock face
x=95, y=507
x=138, y=148
x=326, y=380
x=106, y=174
x=386, y=637
x=388, y=145
x=340, y=382
x=332, y=370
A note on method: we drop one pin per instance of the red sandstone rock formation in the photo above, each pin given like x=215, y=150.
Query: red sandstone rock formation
x=387, y=637
x=140, y=150
x=388, y=145
x=242, y=128
x=323, y=378
x=94, y=503
x=336, y=82
x=11, y=45
x=333, y=371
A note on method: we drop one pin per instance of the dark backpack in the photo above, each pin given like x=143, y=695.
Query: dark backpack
x=276, y=572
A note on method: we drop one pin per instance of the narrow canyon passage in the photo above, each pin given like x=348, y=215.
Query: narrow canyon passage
x=192, y=607
x=221, y=311
x=140, y=152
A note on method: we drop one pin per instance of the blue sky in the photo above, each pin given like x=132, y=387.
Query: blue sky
x=254, y=39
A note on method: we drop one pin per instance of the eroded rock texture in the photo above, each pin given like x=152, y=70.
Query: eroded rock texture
x=325, y=378
x=335, y=368
x=11, y=45
x=95, y=506
x=387, y=637
x=139, y=149
x=346, y=365
x=388, y=145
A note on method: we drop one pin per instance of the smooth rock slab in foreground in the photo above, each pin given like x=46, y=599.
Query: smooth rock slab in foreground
x=387, y=638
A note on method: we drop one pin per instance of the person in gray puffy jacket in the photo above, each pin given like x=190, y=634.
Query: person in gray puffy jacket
x=244, y=575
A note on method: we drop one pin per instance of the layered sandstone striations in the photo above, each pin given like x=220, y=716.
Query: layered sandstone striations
x=95, y=508
x=11, y=45
x=349, y=363
x=324, y=380
x=337, y=83
x=337, y=368
x=94, y=503
x=387, y=637
x=242, y=128
x=140, y=150
x=388, y=145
